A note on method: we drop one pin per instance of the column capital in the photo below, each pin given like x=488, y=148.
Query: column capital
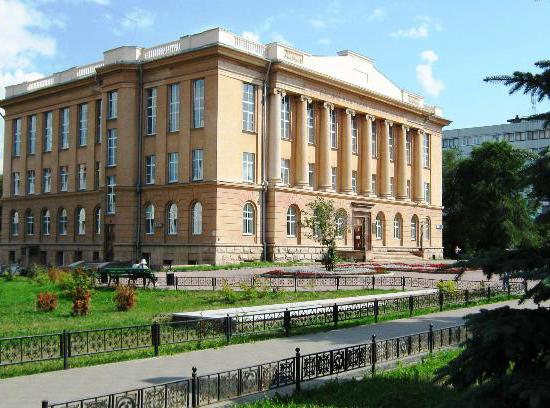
x=279, y=91
x=305, y=98
x=350, y=112
x=328, y=105
x=405, y=128
x=388, y=122
x=369, y=117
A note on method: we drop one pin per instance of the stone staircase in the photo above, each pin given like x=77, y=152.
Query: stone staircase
x=394, y=256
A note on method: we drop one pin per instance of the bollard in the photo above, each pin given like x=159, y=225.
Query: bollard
x=372, y=282
x=376, y=310
x=213, y=284
x=298, y=370
x=431, y=338
x=155, y=337
x=194, y=387
x=335, y=315
x=228, y=329
x=286, y=322
x=402, y=283
x=373, y=354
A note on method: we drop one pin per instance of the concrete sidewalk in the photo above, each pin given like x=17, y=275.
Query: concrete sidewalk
x=59, y=386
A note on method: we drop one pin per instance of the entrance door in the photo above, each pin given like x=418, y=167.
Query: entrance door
x=359, y=234
x=109, y=239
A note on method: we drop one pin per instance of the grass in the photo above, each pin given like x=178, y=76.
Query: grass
x=241, y=265
x=407, y=386
x=18, y=314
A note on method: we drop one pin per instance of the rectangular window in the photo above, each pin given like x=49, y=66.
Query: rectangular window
x=374, y=141
x=285, y=117
x=354, y=181
x=31, y=145
x=47, y=181
x=198, y=103
x=310, y=124
x=196, y=164
x=17, y=137
x=63, y=178
x=285, y=171
x=111, y=147
x=408, y=147
x=354, y=134
x=82, y=182
x=112, y=105
x=16, y=183
x=48, y=131
x=392, y=189
x=173, y=107
x=334, y=175
x=151, y=111
x=83, y=124
x=173, y=167
x=249, y=98
x=427, y=193
x=426, y=150
x=373, y=184
x=150, y=168
x=333, y=132
x=311, y=174
x=97, y=175
x=31, y=182
x=248, y=167
x=64, y=128
x=98, y=120
x=111, y=197
x=391, y=143
x=408, y=188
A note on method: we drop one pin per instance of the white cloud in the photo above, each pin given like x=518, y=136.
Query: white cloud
x=138, y=18
x=419, y=31
x=424, y=74
x=100, y=2
x=324, y=41
x=264, y=29
x=377, y=14
x=249, y=35
x=277, y=37
x=317, y=23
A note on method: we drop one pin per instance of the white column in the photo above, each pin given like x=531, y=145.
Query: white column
x=384, y=157
x=402, y=163
x=274, y=173
x=302, y=179
x=366, y=155
x=418, y=180
x=325, y=175
x=346, y=154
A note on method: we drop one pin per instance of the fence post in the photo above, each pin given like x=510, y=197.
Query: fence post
x=194, y=387
x=411, y=305
x=431, y=338
x=286, y=322
x=335, y=315
x=373, y=354
x=440, y=301
x=337, y=282
x=466, y=296
x=402, y=283
x=45, y=404
x=213, y=284
x=176, y=281
x=155, y=337
x=295, y=284
x=228, y=329
x=488, y=293
x=298, y=370
x=372, y=282
x=376, y=310
x=65, y=349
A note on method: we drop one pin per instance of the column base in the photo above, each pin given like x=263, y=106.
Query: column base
x=304, y=186
x=402, y=197
x=326, y=189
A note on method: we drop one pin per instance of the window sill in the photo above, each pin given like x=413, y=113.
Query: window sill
x=248, y=234
x=173, y=132
x=112, y=118
x=150, y=134
x=197, y=127
x=250, y=132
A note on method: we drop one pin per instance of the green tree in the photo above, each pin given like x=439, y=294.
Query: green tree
x=506, y=361
x=325, y=224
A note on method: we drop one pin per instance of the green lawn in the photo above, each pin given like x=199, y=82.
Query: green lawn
x=241, y=265
x=404, y=387
x=18, y=314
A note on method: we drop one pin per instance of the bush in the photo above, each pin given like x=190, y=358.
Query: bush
x=447, y=287
x=46, y=301
x=249, y=291
x=82, y=299
x=227, y=293
x=58, y=275
x=36, y=270
x=70, y=281
x=125, y=297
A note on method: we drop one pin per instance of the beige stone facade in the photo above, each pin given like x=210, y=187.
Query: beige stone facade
x=275, y=129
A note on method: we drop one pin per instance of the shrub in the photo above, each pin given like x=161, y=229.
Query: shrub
x=57, y=275
x=447, y=287
x=227, y=293
x=81, y=301
x=35, y=270
x=46, y=301
x=70, y=281
x=249, y=291
x=125, y=297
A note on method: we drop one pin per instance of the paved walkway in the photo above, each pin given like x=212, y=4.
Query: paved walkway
x=77, y=383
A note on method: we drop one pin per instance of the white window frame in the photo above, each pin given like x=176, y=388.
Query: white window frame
x=82, y=180
x=151, y=111
x=172, y=219
x=82, y=124
x=46, y=222
x=111, y=147
x=150, y=219
x=396, y=228
x=291, y=222
x=249, y=163
x=374, y=141
x=354, y=181
x=16, y=183
x=97, y=221
x=334, y=177
x=310, y=123
x=14, y=221
x=378, y=228
x=47, y=180
x=427, y=193
x=48, y=131
x=99, y=120
x=112, y=104
x=391, y=143
x=414, y=229
x=197, y=171
x=17, y=137
x=408, y=151
x=426, y=151
x=64, y=178
x=354, y=138
x=248, y=219
x=31, y=182
x=392, y=186
x=150, y=169
x=63, y=222
x=174, y=107
x=29, y=223
x=285, y=171
x=111, y=194
x=173, y=167
x=333, y=129
x=81, y=221
x=249, y=107
x=196, y=218
x=198, y=103
x=311, y=174
x=285, y=117
x=31, y=146
x=64, y=123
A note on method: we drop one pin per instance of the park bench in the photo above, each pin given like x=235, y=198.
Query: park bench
x=132, y=274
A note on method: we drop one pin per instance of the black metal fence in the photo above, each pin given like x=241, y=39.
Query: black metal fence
x=70, y=344
x=202, y=390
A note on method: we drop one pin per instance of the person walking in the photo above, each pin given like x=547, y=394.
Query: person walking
x=458, y=250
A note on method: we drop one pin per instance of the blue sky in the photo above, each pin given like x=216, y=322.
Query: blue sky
x=440, y=49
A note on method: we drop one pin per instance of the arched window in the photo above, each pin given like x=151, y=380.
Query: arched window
x=428, y=229
x=46, y=222
x=248, y=219
x=63, y=221
x=291, y=221
x=414, y=228
x=196, y=219
x=150, y=219
x=97, y=221
x=15, y=223
x=397, y=227
x=379, y=227
x=81, y=221
x=341, y=218
x=172, y=219
x=29, y=228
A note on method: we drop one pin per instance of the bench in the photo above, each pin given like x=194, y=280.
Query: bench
x=132, y=274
